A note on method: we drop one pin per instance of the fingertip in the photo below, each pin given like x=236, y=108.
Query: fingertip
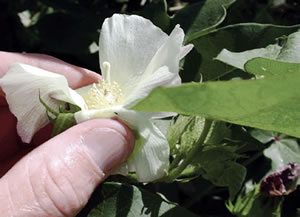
x=86, y=154
x=77, y=76
x=116, y=125
x=109, y=145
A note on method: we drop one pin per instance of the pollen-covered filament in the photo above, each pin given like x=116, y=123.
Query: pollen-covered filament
x=103, y=95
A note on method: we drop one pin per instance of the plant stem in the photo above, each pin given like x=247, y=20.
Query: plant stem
x=176, y=161
x=191, y=155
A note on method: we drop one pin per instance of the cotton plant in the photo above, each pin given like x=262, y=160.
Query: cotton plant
x=135, y=57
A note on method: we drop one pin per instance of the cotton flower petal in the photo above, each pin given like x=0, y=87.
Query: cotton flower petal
x=170, y=53
x=85, y=115
x=150, y=158
x=128, y=43
x=133, y=61
x=23, y=84
x=161, y=77
x=163, y=70
x=185, y=50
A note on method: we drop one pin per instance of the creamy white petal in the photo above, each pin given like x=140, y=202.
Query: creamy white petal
x=131, y=60
x=22, y=85
x=156, y=73
x=161, y=77
x=185, y=50
x=169, y=53
x=150, y=160
x=69, y=95
x=128, y=43
x=161, y=115
x=85, y=115
x=84, y=90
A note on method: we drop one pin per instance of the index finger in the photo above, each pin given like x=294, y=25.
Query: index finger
x=76, y=76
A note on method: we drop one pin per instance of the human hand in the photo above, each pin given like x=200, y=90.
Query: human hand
x=57, y=177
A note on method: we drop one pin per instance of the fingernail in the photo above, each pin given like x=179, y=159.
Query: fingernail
x=108, y=147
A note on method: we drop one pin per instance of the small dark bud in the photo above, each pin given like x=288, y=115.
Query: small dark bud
x=281, y=182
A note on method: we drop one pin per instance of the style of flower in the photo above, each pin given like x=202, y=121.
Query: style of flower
x=135, y=57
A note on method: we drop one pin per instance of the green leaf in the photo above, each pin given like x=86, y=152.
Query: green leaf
x=264, y=136
x=282, y=152
x=124, y=200
x=200, y=18
x=268, y=67
x=219, y=168
x=200, y=63
x=218, y=132
x=289, y=52
x=156, y=11
x=245, y=102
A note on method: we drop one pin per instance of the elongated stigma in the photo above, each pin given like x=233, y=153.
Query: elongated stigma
x=105, y=93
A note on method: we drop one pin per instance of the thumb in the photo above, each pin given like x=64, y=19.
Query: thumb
x=57, y=178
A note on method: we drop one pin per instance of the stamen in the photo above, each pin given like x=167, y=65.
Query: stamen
x=104, y=95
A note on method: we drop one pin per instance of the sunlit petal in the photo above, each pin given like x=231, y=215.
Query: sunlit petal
x=162, y=70
x=128, y=43
x=22, y=85
x=150, y=159
x=161, y=77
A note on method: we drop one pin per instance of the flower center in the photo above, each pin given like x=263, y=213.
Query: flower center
x=105, y=93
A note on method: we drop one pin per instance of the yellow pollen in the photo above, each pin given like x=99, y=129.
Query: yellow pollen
x=103, y=95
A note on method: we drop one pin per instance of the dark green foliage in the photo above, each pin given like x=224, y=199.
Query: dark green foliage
x=213, y=161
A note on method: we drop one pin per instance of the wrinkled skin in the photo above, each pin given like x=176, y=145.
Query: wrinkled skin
x=10, y=143
x=55, y=177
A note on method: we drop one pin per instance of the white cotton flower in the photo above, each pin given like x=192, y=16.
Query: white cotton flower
x=135, y=58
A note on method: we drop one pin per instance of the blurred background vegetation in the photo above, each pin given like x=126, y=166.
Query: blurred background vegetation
x=69, y=30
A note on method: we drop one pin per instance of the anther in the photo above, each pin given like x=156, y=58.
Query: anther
x=103, y=95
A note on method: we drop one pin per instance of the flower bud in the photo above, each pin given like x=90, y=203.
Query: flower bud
x=281, y=182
